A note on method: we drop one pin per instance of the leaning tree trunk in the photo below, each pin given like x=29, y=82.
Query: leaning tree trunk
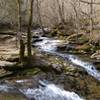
x=22, y=46
x=29, y=51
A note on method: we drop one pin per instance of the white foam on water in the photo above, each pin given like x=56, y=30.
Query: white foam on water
x=90, y=68
x=50, y=92
x=21, y=81
x=5, y=88
x=44, y=92
x=50, y=46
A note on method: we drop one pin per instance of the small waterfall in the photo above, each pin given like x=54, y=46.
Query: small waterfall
x=90, y=68
x=49, y=92
x=47, y=44
x=50, y=46
x=45, y=91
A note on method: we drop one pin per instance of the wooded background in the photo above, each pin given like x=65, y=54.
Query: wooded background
x=49, y=11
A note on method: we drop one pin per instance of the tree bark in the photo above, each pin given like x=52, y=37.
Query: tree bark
x=91, y=3
x=91, y=17
x=76, y=17
x=22, y=46
x=61, y=11
x=39, y=16
x=86, y=2
x=29, y=51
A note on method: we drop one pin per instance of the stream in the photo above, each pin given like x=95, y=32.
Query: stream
x=50, y=46
x=47, y=90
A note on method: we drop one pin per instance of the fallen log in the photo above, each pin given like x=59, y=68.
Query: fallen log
x=74, y=35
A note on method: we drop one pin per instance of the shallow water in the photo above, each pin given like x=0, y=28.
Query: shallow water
x=50, y=46
x=50, y=92
x=45, y=91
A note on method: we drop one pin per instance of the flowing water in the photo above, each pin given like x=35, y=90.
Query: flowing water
x=50, y=46
x=50, y=92
x=45, y=89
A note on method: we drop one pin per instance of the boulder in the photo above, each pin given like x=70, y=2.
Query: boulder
x=37, y=40
x=66, y=47
x=35, y=36
x=6, y=63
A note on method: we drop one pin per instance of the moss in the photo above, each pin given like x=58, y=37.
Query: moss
x=11, y=97
x=83, y=39
x=31, y=71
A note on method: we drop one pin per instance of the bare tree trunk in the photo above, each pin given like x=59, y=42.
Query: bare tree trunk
x=39, y=16
x=76, y=18
x=91, y=17
x=61, y=11
x=29, y=51
x=91, y=3
x=22, y=46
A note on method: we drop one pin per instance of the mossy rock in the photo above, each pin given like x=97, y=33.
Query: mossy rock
x=83, y=39
x=11, y=97
x=31, y=71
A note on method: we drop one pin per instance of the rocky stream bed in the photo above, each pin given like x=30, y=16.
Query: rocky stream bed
x=56, y=75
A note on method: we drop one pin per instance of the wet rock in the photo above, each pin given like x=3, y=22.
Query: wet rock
x=61, y=48
x=57, y=67
x=35, y=36
x=40, y=32
x=6, y=87
x=66, y=47
x=36, y=40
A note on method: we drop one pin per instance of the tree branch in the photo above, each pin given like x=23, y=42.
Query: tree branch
x=96, y=3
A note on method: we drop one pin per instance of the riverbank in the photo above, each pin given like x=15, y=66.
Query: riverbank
x=53, y=69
